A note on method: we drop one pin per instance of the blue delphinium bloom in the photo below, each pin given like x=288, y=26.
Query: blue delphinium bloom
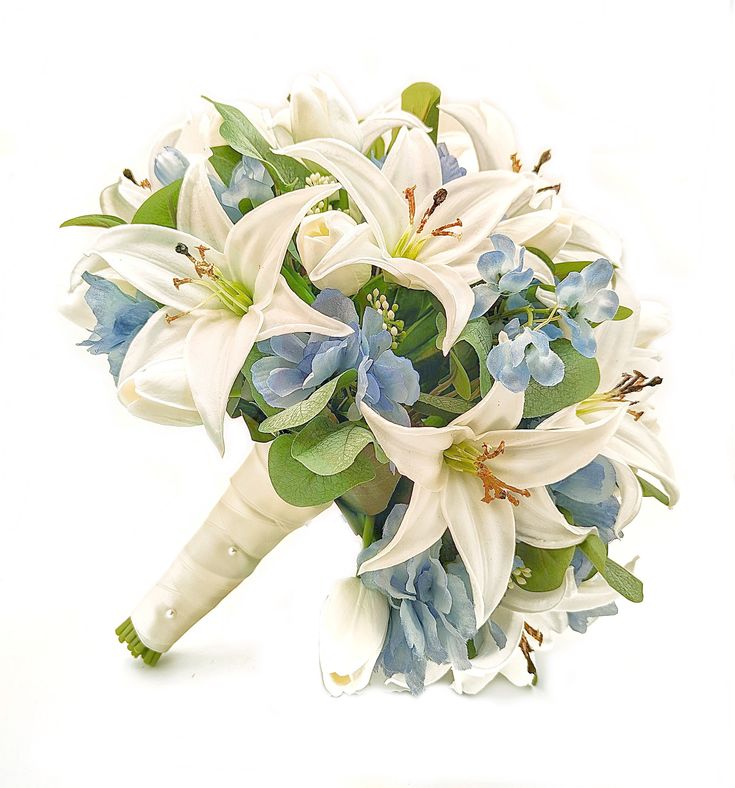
x=581, y=620
x=589, y=496
x=431, y=616
x=297, y=364
x=583, y=298
x=449, y=164
x=119, y=318
x=526, y=355
x=503, y=272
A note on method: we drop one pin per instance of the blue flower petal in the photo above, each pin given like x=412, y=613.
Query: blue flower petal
x=597, y=275
x=485, y=296
x=582, y=336
x=601, y=307
x=170, y=165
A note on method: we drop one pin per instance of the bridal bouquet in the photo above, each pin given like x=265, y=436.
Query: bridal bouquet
x=411, y=326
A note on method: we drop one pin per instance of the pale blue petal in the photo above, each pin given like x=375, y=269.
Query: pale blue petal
x=601, y=307
x=546, y=368
x=516, y=280
x=571, y=290
x=289, y=346
x=491, y=266
x=597, y=275
x=485, y=296
x=504, y=244
x=580, y=621
x=583, y=338
x=170, y=165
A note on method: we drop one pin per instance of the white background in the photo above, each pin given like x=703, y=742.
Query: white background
x=635, y=101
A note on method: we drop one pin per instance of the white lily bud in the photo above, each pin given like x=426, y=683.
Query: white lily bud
x=318, y=235
x=353, y=627
x=318, y=109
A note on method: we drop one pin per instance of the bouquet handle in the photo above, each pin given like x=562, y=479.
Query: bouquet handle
x=248, y=521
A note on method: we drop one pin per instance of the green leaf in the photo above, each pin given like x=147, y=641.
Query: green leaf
x=160, y=207
x=581, y=379
x=651, y=491
x=224, y=159
x=460, y=378
x=326, y=447
x=422, y=99
x=617, y=577
x=298, y=284
x=240, y=133
x=373, y=496
x=561, y=270
x=305, y=411
x=478, y=334
x=445, y=404
x=547, y=566
x=93, y=220
x=542, y=256
x=623, y=313
x=297, y=485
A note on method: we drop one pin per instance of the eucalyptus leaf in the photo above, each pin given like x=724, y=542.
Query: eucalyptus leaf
x=297, y=485
x=326, y=447
x=581, y=379
x=548, y=567
x=224, y=159
x=617, y=577
x=305, y=411
x=445, y=404
x=93, y=220
x=460, y=378
x=160, y=207
x=422, y=100
x=651, y=491
x=478, y=334
x=242, y=135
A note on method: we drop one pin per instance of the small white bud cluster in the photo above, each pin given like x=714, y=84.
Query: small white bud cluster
x=315, y=179
x=388, y=312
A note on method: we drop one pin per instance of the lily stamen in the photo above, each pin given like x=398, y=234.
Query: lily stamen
x=410, y=195
x=536, y=634
x=445, y=227
x=515, y=162
x=439, y=196
x=527, y=650
x=495, y=489
x=555, y=188
x=542, y=159
x=178, y=282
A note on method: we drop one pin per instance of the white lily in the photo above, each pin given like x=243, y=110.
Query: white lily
x=423, y=234
x=217, y=304
x=353, y=625
x=482, y=452
x=317, y=108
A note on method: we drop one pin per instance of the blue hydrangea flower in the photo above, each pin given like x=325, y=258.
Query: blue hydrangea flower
x=431, y=617
x=249, y=180
x=119, y=318
x=589, y=496
x=526, y=355
x=297, y=364
x=583, y=298
x=449, y=164
x=503, y=272
x=580, y=620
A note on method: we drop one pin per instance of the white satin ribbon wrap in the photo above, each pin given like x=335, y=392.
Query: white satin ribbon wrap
x=248, y=521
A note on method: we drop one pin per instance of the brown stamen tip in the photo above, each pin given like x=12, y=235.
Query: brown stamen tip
x=146, y=184
x=534, y=633
x=636, y=414
x=128, y=173
x=444, y=229
x=439, y=196
x=527, y=650
x=178, y=282
x=543, y=158
x=555, y=188
x=410, y=195
x=515, y=162
x=170, y=318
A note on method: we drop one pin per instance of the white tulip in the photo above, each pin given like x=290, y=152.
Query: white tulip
x=353, y=626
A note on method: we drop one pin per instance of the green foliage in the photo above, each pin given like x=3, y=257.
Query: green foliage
x=651, y=491
x=372, y=497
x=93, y=220
x=305, y=411
x=422, y=99
x=160, y=207
x=581, y=379
x=478, y=334
x=326, y=446
x=623, y=313
x=239, y=132
x=618, y=577
x=224, y=159
x=459, y=377
x=547, y=566
x=299, y=486
x=444, y=405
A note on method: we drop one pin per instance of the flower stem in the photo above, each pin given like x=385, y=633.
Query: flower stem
x=368, y=531
x=126, y=634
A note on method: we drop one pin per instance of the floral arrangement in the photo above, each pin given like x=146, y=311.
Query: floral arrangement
x=412, y=326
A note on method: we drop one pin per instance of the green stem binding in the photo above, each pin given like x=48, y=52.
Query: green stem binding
x=126, y=634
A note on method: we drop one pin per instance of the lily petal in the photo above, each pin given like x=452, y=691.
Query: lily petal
x=381, y=205
x=421, y=527
x=535, y=458
x=499, y=409
x=216, y=348
x=540, y=601
x=413, y=161
x=540, y=524
x=258, y=242
x=377, y=123
x=286, y=313
x=146, y=256
x=484, y=535
x=199, y=212
x=490, y=131
x=631, y=495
